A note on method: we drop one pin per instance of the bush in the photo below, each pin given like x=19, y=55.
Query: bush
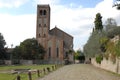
x=99, y=58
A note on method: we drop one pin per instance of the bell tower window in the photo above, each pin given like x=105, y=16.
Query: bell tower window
x=44, y=35
x=39, y=35
x=44, y=25
x=44, y=12
x=41, y=12
x=39, y=25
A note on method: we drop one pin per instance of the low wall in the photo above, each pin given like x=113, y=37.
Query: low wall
x=30, y=62
x=108, y=65
x=26, y=62
x=8, y=62
x=48, y=62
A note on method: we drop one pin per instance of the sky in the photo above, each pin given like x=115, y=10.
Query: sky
x=76, y=17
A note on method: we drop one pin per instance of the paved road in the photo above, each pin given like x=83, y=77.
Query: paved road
x=80, y=72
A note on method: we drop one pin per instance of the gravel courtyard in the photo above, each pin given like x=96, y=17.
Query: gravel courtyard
x=80, y=72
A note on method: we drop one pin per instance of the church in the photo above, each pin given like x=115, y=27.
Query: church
x=56, y=42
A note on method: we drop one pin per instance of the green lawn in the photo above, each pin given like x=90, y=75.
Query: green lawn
x=24, y=76
x=23, y=67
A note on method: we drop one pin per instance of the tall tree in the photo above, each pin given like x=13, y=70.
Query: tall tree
x=2, y=41
x=2, y=44
x=93, y=45
x=98, y=22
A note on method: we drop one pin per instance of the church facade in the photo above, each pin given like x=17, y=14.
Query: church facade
x=56, y=42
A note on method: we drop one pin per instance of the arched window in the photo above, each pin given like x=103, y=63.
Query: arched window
x=57, y=49
x=41, y=12
x=39, y=25
x=39, y=35
x=45, y=25
x=44, y=35
x=49, y=52
x=44, y=12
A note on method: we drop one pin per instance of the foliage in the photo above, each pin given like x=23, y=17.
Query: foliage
x=76, y=55
x=98, y=22
x=93, y=45
x=99, y=40
x=111, y=50
x=103, y=42
x=113, y=31
x=106, y=55
x=29, y=49
x=117, y=4
x=111, y=28
x=2, y=49
x=16, y=53
x=2, y=41
x=99, y=58
x=117, y=49
x=68, y=53
x=79, y=55
x=71, y=51
x=110, y=23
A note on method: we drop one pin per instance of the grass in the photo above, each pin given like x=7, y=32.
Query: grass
x=23, y=67
x=6, y=76
x=24, y=76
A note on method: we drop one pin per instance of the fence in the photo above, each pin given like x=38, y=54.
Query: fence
x=39, y=73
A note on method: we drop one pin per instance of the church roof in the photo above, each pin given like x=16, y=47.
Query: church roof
x=58, y=32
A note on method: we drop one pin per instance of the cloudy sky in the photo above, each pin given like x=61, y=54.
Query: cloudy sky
x=76, y=17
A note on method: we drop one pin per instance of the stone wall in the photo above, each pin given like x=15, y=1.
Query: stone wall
x=108, y=65
x=26, y=62
x=30, y=62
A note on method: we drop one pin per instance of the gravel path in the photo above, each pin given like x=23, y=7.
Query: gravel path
x=80, y=72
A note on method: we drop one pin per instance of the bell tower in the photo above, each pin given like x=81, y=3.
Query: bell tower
x=43, y=24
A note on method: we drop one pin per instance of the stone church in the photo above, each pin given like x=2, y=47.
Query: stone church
x=56, y=42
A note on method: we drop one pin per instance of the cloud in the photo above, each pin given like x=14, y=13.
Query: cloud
x=51, y=2
x=78, y=21
x=12, y=3
x=15, y=29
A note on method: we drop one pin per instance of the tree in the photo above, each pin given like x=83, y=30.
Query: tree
x=114, y=31
x=29, y=49
x=2, y=49
x=93, y=45
x=16, y=53
x=110, y=23
x=76, y=55
x=117, y=4
x=2, y=41
x=98, y=22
